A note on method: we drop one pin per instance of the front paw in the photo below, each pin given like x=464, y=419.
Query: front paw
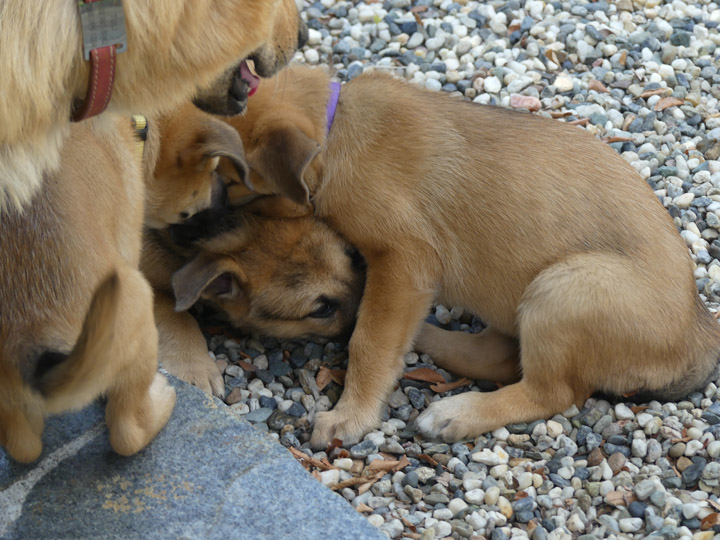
x=445, y=420
x=199, y=370
x=336, y=424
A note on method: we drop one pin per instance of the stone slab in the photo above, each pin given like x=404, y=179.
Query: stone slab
x=208, y=474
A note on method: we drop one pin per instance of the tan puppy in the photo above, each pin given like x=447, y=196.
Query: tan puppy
x=271, y=268
x=183, y=152
x=524, y=221
x=173, y=48
x=83, y=226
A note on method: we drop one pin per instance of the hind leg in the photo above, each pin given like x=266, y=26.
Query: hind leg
x=489, y=355
x=584, y=324
x=21, y=431
x=140, y=400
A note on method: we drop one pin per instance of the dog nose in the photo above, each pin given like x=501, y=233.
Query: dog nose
x=302, y=35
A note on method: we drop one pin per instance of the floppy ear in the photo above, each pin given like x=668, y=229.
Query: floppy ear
x=223, y=141
x=209, y=277
x=281, y=159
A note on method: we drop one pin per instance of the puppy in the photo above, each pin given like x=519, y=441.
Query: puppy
x=524, y=221
x=183, y=150
x=269, y=266
x=76, y=319
x=175, y=50
x=87, y=225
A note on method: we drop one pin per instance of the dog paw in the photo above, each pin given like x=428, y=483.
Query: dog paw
x=447, y=420
x=200, y=371
x=336, y=424
x=163, y=398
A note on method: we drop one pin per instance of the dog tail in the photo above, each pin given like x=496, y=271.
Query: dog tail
x=63, y=385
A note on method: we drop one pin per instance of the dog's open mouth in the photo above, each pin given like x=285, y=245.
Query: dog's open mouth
x=228, y=95
x=248, y=76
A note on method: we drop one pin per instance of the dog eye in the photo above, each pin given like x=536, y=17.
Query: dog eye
x=327, y=309
x=184, y=215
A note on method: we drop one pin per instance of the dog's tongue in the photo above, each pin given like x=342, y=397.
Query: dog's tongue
x=249, y=77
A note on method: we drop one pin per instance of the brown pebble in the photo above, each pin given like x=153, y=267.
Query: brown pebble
x=616, y=461
x=683, y=463
x=233, y=397
x=442, y=459
x=595, y=457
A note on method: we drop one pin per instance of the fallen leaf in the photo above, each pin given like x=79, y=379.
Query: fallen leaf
x=427, y=458
x=335, y=443
x=304, y=459
x=667, y=102
x=446, y=387
x=580, y=122
x=316, y=476
x=404, y=462
x=424, y=375
x=323, y=378
x=370, y=482
x=714, y=504
x=598, y=86
x=383, y=465
x=362, y=507
x=618, y=139
x=338, y=376
x=638, y=408
x=709, y=521
x=247, y=366
x=560, y=114
x=655, y=92
x=408, y=524
x=354, y=481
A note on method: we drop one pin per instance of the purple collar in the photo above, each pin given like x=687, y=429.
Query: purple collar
x=332, y=103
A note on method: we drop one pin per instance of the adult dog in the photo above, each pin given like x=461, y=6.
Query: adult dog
x=175, y=50
x=77, y=316
x=522, y=220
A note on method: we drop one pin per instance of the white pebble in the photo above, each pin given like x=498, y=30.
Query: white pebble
x=554, y=428
x=312, y=56
x=492, y=85
x=623, y=412
x=456, y=506
x=475, y=496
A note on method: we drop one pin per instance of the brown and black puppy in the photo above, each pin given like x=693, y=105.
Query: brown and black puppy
x=464, y=204
x=269, y=266
x=175, y=50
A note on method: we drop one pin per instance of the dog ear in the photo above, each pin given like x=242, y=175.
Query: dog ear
x=282, y=158
x=221, y=140
x=210, y=277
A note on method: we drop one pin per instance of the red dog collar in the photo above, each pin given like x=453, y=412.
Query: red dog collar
x=103, y=28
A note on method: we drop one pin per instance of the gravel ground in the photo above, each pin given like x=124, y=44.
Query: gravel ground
x=643, y=76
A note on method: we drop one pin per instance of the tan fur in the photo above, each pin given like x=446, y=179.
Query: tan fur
x=83, y=226
x=524, y=221
x=174, y=48
x=267, y=271
x=186, y=148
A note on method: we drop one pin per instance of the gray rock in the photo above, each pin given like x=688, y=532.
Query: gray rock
x=202, y=476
